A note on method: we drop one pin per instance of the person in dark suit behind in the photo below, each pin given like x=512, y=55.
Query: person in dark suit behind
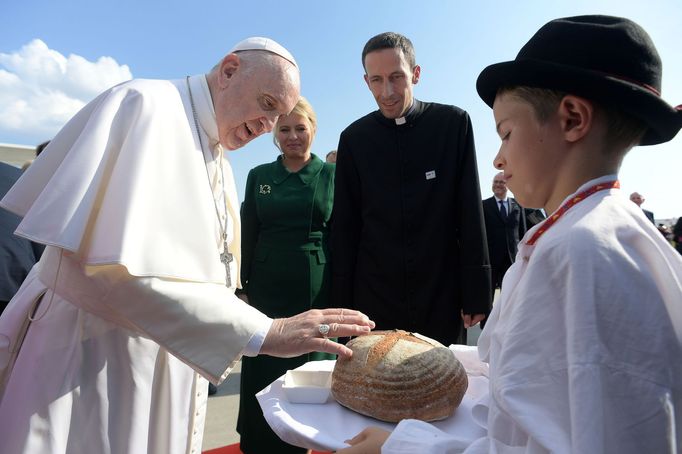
x=677, y=235
x=505, y=225
x=638, y=199
x=17, y=255
x=331, y=157
x=39, y=149
x=534, y=216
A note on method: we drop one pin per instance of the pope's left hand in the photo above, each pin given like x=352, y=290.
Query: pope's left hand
x=294, y=336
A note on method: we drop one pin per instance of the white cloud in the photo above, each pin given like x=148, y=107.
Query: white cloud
x=40, y=89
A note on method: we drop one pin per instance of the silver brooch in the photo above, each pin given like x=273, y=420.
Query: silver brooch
x=264, y=189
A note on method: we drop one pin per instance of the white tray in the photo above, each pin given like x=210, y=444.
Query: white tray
x=326, y=426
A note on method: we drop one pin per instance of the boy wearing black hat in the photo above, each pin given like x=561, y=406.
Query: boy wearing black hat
x=585, y=343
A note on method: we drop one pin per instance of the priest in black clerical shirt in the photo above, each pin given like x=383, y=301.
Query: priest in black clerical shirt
x=408, y=236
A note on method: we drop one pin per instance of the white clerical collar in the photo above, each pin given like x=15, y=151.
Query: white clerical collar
x=402, y=120
x=204, y=105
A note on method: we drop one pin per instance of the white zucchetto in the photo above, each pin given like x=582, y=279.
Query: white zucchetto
x=267, y=44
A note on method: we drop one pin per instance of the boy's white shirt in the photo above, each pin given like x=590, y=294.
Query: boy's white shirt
x=583, y=344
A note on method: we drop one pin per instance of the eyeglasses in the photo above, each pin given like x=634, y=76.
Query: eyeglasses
x=499, y=181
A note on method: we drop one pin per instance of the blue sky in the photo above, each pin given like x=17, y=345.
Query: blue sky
x=87, y=46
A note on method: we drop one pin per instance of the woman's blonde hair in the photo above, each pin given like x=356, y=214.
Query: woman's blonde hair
x=304, y=109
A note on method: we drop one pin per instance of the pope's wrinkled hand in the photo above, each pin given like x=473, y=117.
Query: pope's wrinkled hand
x=369, y=441
x=302, y=333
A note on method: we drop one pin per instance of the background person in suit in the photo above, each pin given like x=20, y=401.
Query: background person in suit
x=677, y=235
x=639, y=199
x=39, y=149
x=534, y=216
x=17, y=254
x=505, y=225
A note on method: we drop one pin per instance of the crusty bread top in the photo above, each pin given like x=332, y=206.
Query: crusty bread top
x=394, y=375
x=389, y=338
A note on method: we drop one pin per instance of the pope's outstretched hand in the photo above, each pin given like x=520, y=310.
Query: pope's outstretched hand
x=310, y=330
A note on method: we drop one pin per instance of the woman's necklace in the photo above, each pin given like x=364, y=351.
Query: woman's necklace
x=225, y=256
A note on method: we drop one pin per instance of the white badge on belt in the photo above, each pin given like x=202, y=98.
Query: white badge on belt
x=431, y=174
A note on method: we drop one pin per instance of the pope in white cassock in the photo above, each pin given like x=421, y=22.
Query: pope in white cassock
x=107, y=346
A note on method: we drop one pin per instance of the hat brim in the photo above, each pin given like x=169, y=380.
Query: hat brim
x=663, y=121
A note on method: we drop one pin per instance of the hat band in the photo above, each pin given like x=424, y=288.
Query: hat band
x=639, y=84
x=645, y=86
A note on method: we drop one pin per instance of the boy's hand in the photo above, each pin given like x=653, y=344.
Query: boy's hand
x=369, y=441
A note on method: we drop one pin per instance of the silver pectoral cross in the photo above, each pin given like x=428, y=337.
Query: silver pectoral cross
x=226, y=258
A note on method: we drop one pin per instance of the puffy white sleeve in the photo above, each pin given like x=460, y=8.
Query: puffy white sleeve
x=203, y=324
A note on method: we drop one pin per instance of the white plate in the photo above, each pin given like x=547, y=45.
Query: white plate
x=326, y=426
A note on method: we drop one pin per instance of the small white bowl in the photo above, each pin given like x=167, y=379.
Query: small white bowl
x=307, y=386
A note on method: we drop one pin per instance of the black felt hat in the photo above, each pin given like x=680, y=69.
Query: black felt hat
x=610, y=60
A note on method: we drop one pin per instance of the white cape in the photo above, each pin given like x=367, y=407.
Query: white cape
x=94, y=193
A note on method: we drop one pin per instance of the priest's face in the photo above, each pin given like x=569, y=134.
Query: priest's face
x=250, y=95
x=390, y=79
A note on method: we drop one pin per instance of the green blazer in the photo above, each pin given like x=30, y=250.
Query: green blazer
x=285, y=230
x=285, y=271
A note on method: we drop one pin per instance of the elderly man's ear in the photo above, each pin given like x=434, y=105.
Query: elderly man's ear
x=228, y=67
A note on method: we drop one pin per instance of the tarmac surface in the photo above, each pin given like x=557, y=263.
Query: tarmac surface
x=221, y=415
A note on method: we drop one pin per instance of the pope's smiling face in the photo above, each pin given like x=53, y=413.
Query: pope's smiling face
x=390, y=79
x=250, y=93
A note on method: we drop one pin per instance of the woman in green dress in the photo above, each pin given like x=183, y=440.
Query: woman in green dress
x=285, y=257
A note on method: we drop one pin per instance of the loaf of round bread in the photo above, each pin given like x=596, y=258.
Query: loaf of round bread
x=394, y=375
